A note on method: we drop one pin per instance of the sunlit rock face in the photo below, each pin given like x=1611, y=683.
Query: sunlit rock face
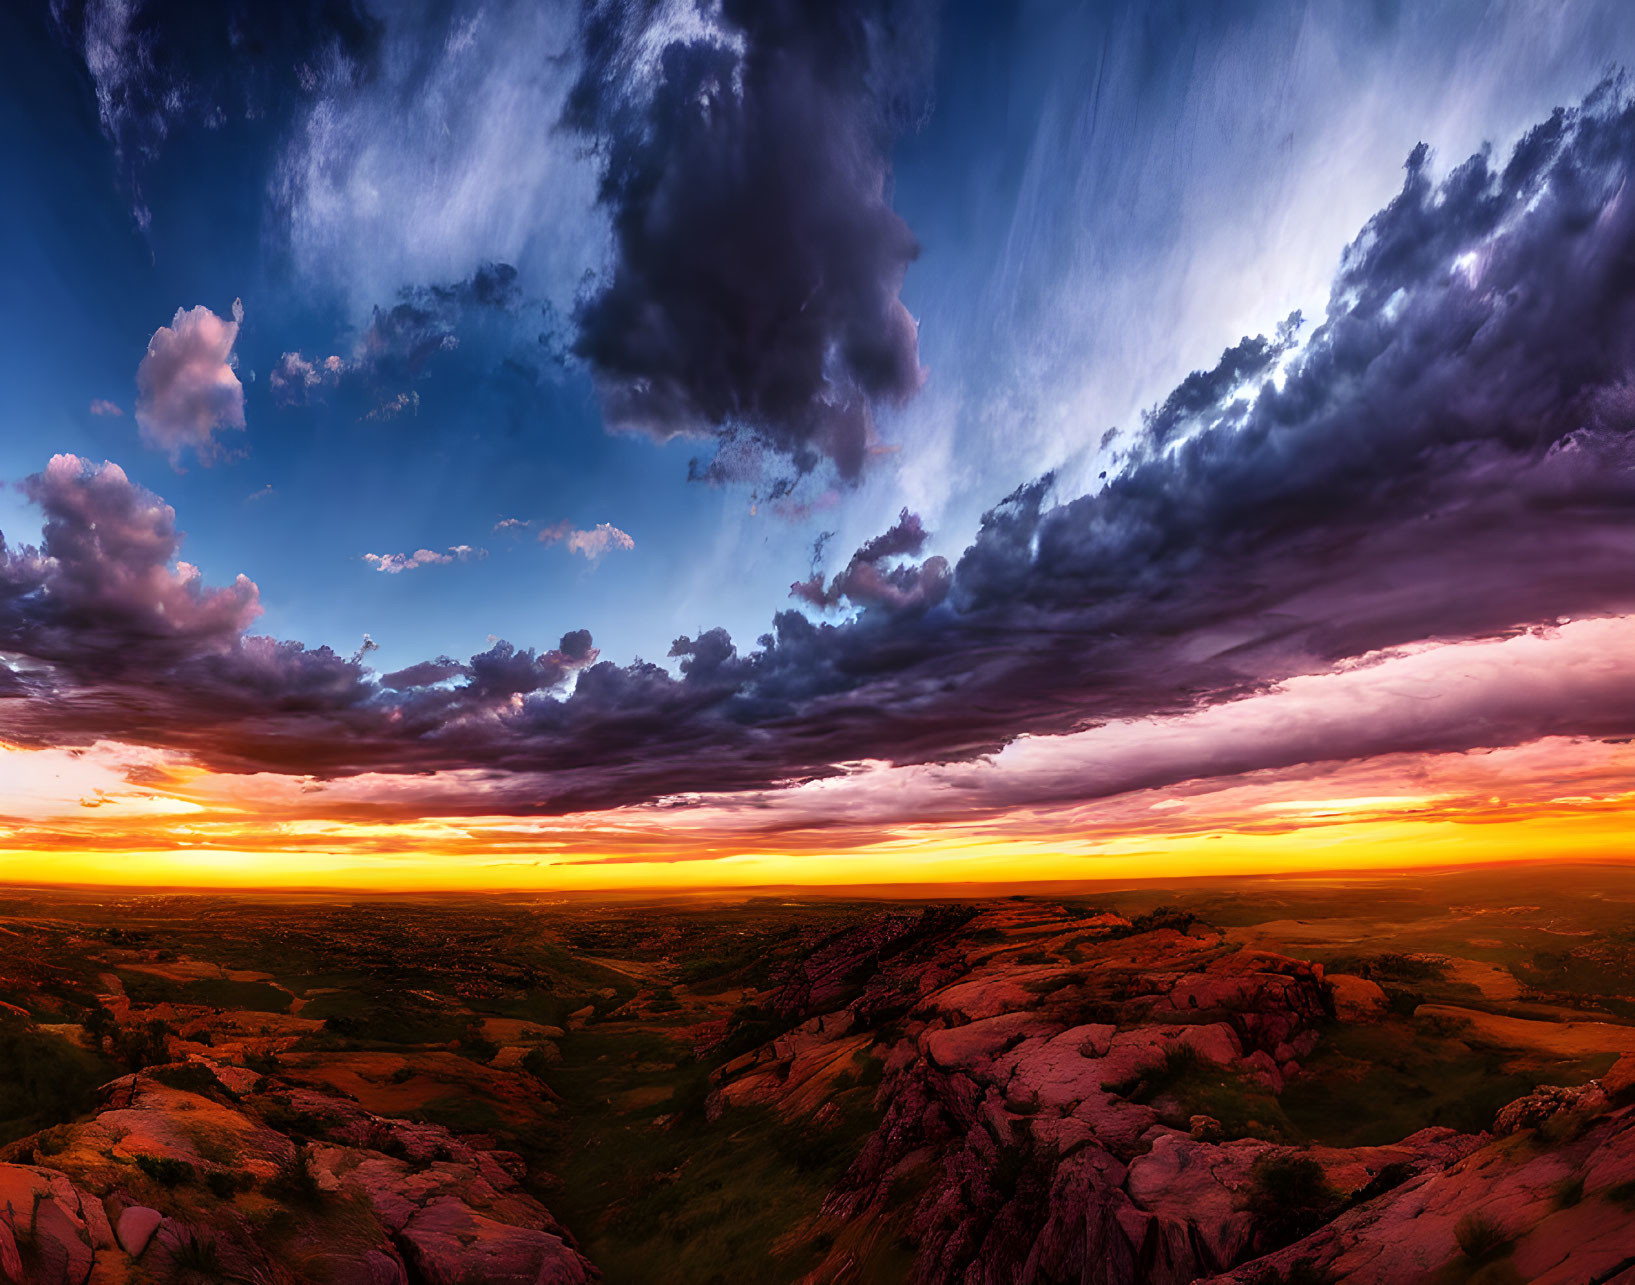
x=419, y=1203
x=1039, y=1078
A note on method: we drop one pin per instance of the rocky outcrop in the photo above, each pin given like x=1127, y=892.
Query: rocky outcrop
x=1026, y=1069
x=1557, y=1212
x=1029, y=1067
x=825, y=978
x=123, y=1188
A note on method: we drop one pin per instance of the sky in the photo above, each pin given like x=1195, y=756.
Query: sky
x=505, y=444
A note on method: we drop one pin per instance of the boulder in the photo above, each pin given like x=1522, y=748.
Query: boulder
x=135, y=1228
x=1356, y=999
x=1205, y=1128
x=450, y=1244
x=973, y=1045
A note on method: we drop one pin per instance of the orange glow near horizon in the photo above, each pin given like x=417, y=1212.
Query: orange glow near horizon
x=458, y=856
x=1070, y=807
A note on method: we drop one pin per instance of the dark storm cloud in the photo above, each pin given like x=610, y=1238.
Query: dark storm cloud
x=746, y=167
x=157, y=64
x=1450, y=455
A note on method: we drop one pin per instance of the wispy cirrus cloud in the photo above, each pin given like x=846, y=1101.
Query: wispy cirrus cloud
x=156, y=66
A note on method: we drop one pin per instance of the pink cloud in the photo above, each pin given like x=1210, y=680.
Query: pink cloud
x=186, y=387
x=295, y=377
x=592, y=545
x=1460, y=721
x=101, y=406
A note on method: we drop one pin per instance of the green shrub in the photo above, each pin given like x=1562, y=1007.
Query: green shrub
x=190, y=1077
x=537, y=1062
x=1622, y=1194
x=194, y=1257
x=141, y=1045
x=221, y=1183
x=167, y=1171
x=1480, y=1238
x=295, y=1183
x=52, y=1142
x=1289, y=1197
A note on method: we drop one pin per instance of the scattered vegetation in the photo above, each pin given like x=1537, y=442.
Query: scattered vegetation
x=1289, y=1197
x=1622, y=1193
x=1374, y=1084
x=294, y=1183
x=1391, y=966
x=1178, y=1061
x=1160, y=917
x=537, y=1062
x=133, y=1045
x=253, y=997
x=1480, y=1238
x=195, y=1257
x=167, y=1171
x=44, y=1080
x=190, y=1077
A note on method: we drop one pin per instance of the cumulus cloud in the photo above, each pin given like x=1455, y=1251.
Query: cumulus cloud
x=394, y=563
x=593, y=545
x=1450, y=455
x=598, y=541
x=106, y=594
x=746, y=169
x=187, y=387
x=100, y=406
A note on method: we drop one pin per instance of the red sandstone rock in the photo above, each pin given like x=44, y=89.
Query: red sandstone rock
x=1356, y=999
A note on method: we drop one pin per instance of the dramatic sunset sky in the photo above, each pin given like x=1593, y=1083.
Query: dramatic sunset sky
x=490, y=443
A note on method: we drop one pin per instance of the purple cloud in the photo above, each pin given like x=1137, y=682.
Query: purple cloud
x=749, y=293
x=1450, y=455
